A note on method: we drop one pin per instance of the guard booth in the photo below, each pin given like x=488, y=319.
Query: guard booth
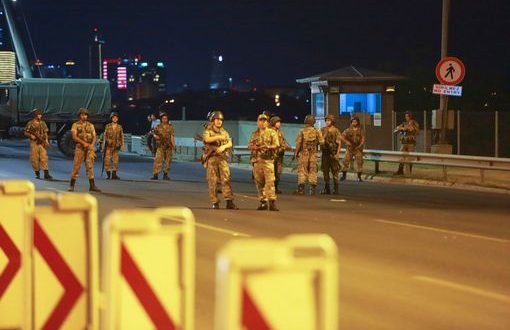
x=353, y=91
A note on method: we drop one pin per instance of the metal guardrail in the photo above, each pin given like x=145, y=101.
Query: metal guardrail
x=445, y=161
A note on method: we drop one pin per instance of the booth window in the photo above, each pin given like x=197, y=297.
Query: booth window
x=360, y=102
x=318, y=104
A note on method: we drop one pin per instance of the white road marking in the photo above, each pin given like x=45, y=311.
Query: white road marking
x=444, y=231
x=338, y=200
x=246, y=196
x=464, y=288
x=221, y=230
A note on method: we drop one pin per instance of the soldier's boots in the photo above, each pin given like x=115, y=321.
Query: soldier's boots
x=335, y=188
x=344, y=176
x=326, y=190
x=231, y=205
x=216, y=206
x=359, y=177
x=272, y=206
x=300, y=190
x=37, y=174
x=93, y=186
x=154, y=177
x=400, y=170
x=47, y=175
x=108, y=174
x=262, y=206
x=71, y=185
x=115, y=176
x=313, y=190
x=166, y=177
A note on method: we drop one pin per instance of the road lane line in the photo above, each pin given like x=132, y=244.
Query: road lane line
x=221, y=230
x=246, y=196
x=464, y=288
x=444, y=231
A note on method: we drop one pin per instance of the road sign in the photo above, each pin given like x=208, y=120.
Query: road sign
x=16, y=205
x=447, y=90
x=149, y=269
x=450, y=71
x=269, y=284
x=65, y=262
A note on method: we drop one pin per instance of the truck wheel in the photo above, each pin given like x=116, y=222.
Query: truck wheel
x=66, y=144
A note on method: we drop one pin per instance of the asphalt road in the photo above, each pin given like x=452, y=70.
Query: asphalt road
x=411, y=257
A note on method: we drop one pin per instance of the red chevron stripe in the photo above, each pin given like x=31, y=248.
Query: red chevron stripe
x=252, y=318
x=144, y=292
x=14, y=257
x=72, y=286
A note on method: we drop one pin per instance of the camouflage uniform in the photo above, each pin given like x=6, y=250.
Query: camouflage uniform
x=329, y=163
x=164, y=149
x=280, y=152
x=408, y=135
x=355, y=150
x=307, y=142
x=86, y=132
x=217, y=167
x=38, y=154
x=114, y=139
x=263, y=163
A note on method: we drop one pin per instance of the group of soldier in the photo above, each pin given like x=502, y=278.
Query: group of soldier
x=267, y=145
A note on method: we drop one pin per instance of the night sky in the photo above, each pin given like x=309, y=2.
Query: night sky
x=275, y=42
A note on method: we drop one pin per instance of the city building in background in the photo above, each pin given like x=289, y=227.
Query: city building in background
x=134, y=79
x=4, y=32
x=219, y=79
x=95, y=55
x=7, y=66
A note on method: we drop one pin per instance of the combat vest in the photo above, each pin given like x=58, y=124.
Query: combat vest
x=165, y=133
x=38, y=129
x=113, y=136
x=209, y=148
x=408, y=135
x=353, y=136
x=331, y=140
x=84, y=131
x=309, y=138
x=268, y=138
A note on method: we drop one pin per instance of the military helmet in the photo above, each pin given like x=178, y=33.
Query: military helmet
x=163, y=114
x=262, y=116
x=114, y=114
x=37, y=111
x=330, y=117
x=355, y=118
x=274, y=120
x=267, y=113
x=217, y=115
x=310, y=120
x=84, y=111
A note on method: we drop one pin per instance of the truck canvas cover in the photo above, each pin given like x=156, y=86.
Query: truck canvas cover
x=64, y=96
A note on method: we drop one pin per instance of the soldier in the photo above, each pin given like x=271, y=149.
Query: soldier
x=217, y=143
x=331, y=154
x=84, y=135
x=264, y=143
x=276, y=123
x=165, y=142
x=112, y=143
x=408, y=130
x=37, y=131
x=307, y=142
x=354, y=138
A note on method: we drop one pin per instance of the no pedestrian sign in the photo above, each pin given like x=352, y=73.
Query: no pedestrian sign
x=450, y=71
x=447, y=90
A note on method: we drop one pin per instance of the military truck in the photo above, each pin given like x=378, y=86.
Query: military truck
x=60, y=99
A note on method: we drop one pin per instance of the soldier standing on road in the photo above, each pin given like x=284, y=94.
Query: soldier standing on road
x=113, y=142
x=37, y=131
x=408, y=130
x=165, y=142
x=84, y=135
x=354, y=138
x=307, y=142
x=331, y=155
x=264, y=143
x=217, y=143
x=150, y=136
x=276, y=123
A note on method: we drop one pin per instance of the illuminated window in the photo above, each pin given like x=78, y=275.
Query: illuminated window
x=360, y=102
x=318, y=104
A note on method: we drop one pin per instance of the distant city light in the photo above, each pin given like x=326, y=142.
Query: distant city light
x=160, y=65
x=220, y=58
x=70, y=62
x=121, y=77
x=144, y=64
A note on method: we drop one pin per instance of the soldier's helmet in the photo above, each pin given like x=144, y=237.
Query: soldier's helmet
x=84, y=111
x=267, y=113
x=310, y=120
x=217, y=115
x=210, y=115
x=274, y=120
x=330, y=117
x=37, y=111
x=114, y=114
x=163, y=114
x=355, y=119
x=262, y=116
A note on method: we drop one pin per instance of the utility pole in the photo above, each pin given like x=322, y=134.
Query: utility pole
x=443, y=99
